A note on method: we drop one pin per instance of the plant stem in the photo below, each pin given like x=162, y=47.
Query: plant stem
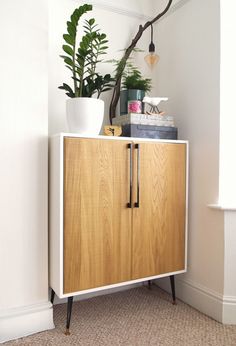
x=74, y=73
x=81, y=83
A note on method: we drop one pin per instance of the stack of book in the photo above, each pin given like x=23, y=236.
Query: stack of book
x=144, y=119
x=147, y=126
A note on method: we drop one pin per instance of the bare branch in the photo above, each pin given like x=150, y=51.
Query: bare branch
x=128, y=51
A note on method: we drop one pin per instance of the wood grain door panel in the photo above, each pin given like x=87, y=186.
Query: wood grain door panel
x=158, y=244
x=97, y=222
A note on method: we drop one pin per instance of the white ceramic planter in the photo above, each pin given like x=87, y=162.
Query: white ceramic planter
x=85, y=115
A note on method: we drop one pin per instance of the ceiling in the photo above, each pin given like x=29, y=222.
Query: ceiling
x=137, y=8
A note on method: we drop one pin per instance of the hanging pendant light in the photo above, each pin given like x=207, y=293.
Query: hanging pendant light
x=152, y=58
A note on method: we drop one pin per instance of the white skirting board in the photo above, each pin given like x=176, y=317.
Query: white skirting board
x=18, y=322
x=229, y=310
x=213, y=304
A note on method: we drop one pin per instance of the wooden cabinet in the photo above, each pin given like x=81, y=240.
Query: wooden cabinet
x=97, y=223
x=98, y=240
x=158, y=233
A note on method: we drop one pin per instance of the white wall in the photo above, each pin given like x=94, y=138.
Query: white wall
x=159, y=6
x=137, y=8
x=196, y=68
x=228, y=120
x=189, y=73
x=120, y=29
x=227, y=195
x=23, y=183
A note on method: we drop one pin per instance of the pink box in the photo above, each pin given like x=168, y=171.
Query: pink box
x=134, y=106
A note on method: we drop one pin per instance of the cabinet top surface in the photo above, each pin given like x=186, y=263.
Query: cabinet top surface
x=131, y=139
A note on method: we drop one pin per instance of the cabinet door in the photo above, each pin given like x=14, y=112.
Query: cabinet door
x=97, y=222
x=159, y=222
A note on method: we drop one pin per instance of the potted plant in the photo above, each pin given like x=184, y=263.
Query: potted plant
x=134, y=88
x=85, y=113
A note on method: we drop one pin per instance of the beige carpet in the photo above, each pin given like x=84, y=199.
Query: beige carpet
x=136, y=317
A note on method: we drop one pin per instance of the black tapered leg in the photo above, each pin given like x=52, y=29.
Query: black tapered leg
x=69, y=309
x=172, y=283
x=149, y=284
x=52, y=296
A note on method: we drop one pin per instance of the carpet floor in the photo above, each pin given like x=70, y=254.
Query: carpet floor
x=136, y=317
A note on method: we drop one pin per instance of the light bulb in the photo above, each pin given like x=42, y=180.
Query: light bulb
x=152, y=59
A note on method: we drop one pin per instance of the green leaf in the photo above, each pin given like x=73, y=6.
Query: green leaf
x=68, y=94
x=67, y=88
x=104, y=47
x=74, y=18
x=75, y=78
x=70, y=68
x=69, y=39
x=91, y=21
x=103, y=36
x=80, y=59
x=71, y=28
x=81, y=47
x=68, y=50
x=78, y=12
x=107, y=76
x=68, y=61
x=81, y=52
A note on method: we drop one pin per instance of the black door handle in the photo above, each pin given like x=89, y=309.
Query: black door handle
x=137, y=146
x=129, y=204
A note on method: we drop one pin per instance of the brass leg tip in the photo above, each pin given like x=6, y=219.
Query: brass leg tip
x=67, y=332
